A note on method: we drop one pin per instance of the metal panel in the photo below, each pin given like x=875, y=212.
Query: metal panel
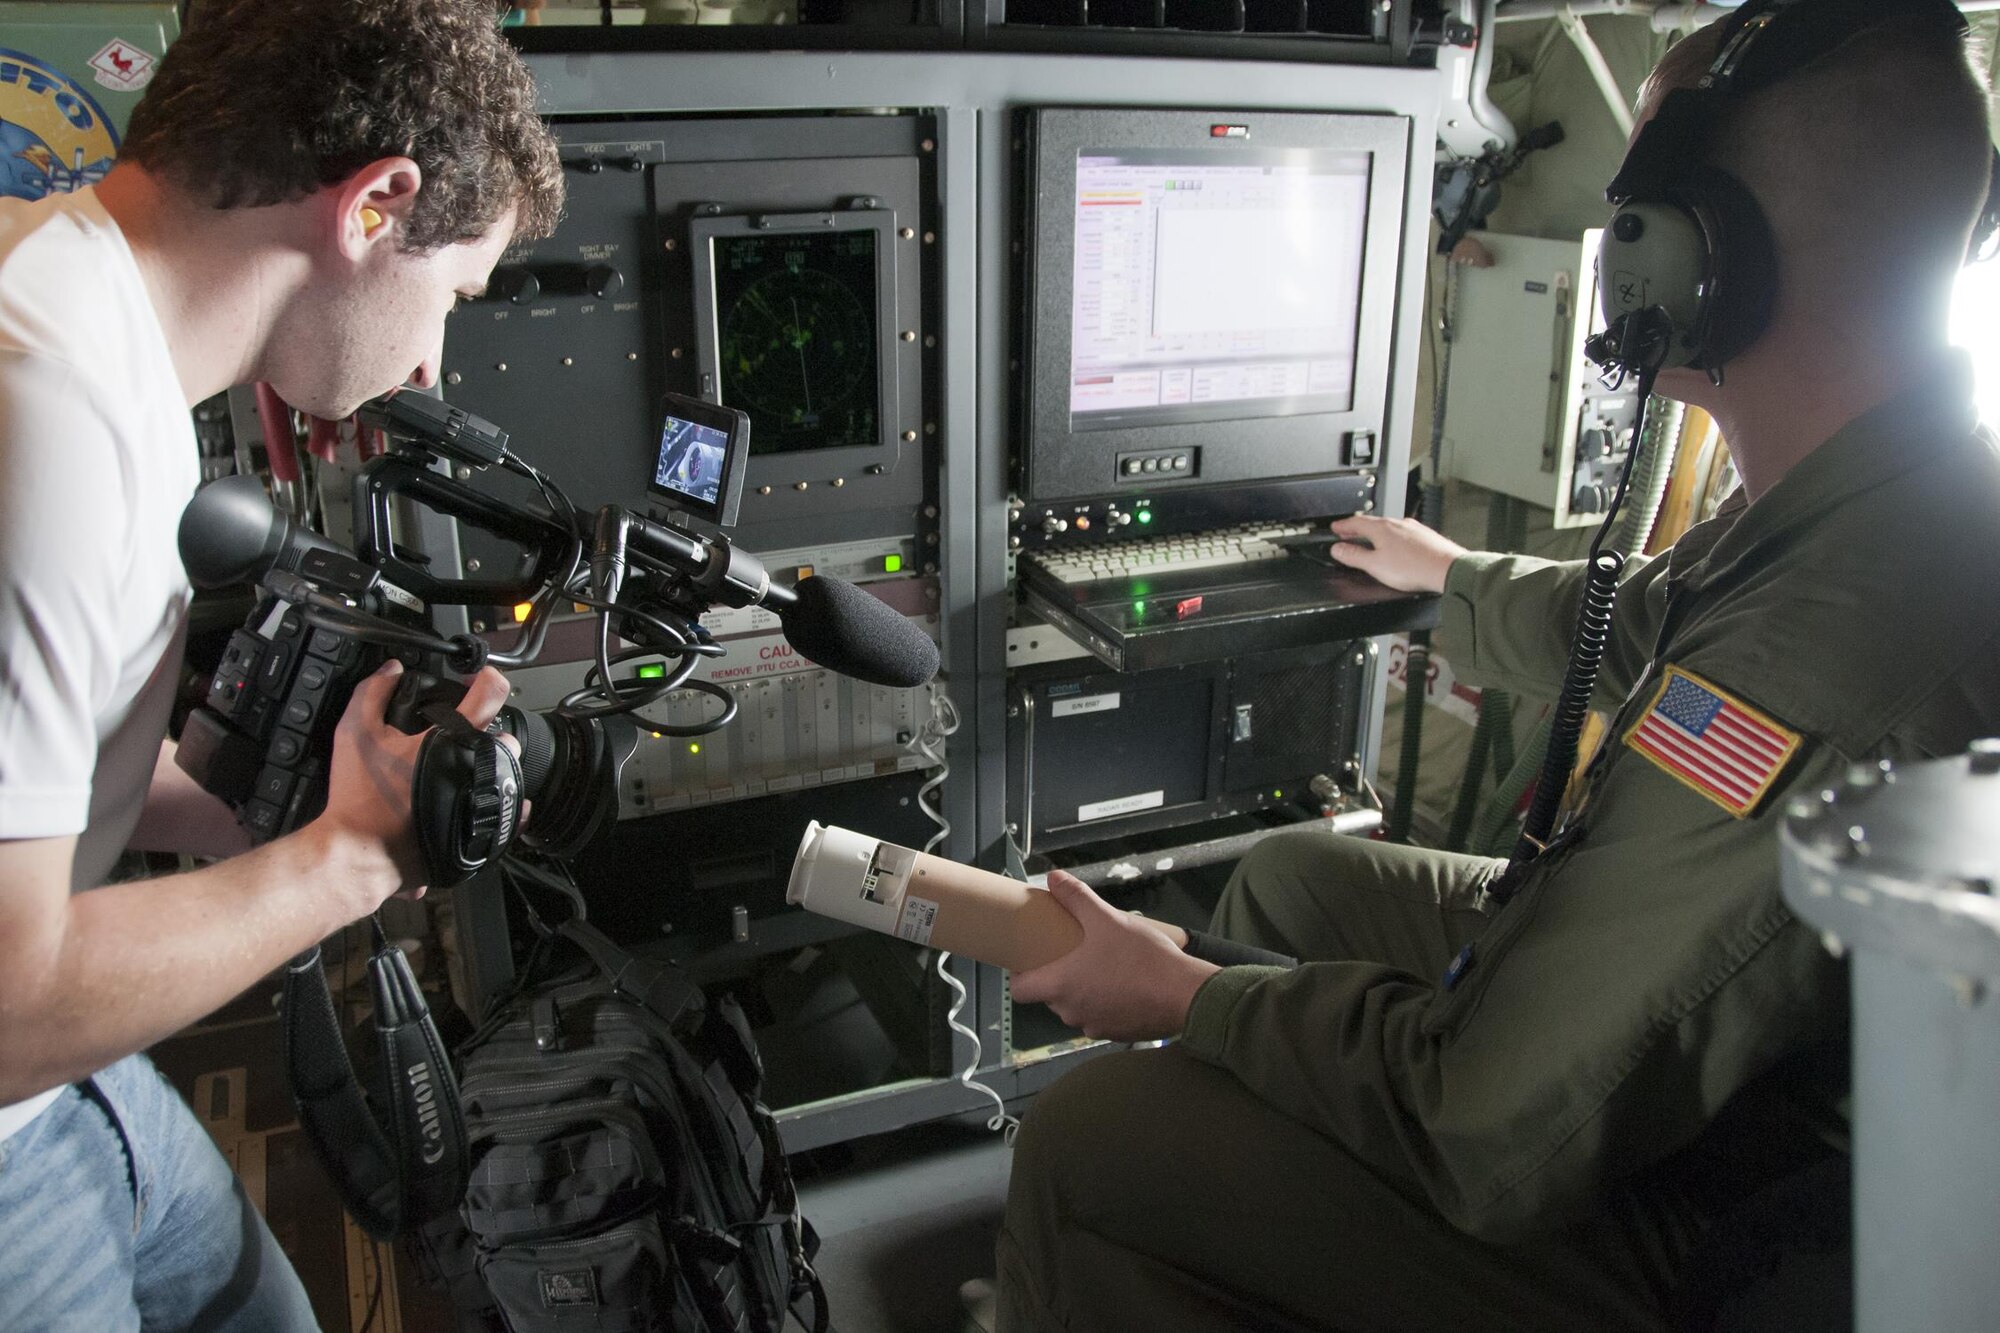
x=971, y=99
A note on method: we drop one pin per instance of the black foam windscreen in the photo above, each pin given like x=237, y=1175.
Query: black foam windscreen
x=847, y=629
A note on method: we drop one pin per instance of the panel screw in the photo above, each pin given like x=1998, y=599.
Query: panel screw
x=907, y=232
x=472, y=565
x=763, y=490
x=930, y=511
x=478, y=627
x=908, y=436
x=838, y=482
x=631, y=356
x=800, y=485
x=463, y=473
x=501, y=367
x=930, y=237
x=569, y=360
x=675, y=353
x=930, y=428
x=909, y=335
x=454, y=378
x=672, y=244
x=927, y=145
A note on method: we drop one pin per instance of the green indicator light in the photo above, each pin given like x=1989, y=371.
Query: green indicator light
x=1145, y=516
x=891, y=563
x=694, y=747
x=1138, y=608
x=1277, y=796
x=652, y=671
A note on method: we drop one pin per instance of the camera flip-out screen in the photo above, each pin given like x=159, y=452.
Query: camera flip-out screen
x=699, y=467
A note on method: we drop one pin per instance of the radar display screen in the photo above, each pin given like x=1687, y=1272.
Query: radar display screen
x=798, y=345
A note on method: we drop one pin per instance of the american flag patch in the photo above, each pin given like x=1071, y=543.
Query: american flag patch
x=1720, y=746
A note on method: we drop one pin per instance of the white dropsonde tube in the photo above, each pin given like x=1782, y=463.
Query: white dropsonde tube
x=928, y=900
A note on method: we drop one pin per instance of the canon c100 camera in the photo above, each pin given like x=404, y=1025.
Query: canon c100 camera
x=327, y=617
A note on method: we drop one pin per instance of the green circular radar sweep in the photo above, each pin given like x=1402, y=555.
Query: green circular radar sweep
x=798, y=350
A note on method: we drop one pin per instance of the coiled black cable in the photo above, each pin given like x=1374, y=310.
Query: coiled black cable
x=1593, y=633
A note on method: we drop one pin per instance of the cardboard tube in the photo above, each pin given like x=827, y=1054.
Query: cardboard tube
x=928, y=900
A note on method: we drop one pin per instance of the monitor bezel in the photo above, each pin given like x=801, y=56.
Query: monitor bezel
x=705, y=230
x=1062, y=459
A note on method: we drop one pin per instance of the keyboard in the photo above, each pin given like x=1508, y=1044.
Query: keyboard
x=1171, y=555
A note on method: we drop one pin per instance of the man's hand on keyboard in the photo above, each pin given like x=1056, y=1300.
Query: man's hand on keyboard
x=1400, y=552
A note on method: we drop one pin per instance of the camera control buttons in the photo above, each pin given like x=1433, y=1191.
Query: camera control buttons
x=275, y=667
x=274, y=784
x=287, y=747
x=261, y=818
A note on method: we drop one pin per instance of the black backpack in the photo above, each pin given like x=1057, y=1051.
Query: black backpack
x=626, y=1176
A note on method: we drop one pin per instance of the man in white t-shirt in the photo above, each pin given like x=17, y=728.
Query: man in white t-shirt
x=305, y=191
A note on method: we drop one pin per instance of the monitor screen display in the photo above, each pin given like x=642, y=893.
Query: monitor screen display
x=1208, y=279
x=796, y=340
x=691, y=460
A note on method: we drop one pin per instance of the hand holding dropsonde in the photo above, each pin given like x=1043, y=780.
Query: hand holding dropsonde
x=1125, y=982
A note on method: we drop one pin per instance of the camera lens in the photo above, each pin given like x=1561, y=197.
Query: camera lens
x=568, y=772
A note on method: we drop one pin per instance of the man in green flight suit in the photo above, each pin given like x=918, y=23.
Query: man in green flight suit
x=1643, y=1036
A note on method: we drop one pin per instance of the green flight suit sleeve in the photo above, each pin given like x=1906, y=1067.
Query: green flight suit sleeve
x=1507, y=621
x=1642, y=976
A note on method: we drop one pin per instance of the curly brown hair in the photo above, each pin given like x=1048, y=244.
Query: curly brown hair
x=264, y=101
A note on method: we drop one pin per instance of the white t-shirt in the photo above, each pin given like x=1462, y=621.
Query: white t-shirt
x=97, y=460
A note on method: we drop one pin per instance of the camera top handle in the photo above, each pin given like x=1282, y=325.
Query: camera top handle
x=392, y=476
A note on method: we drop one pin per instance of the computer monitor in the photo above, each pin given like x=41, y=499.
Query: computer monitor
x=1210, y=296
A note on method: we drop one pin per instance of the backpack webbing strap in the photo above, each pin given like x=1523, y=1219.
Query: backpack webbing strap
x=661, y=988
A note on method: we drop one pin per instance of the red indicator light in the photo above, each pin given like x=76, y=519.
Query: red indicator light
x=1229, y=131
x=1187, y=606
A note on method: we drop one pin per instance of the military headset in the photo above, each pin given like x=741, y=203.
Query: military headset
x=1688, y=270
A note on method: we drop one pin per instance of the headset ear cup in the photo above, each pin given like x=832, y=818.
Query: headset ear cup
x=1654, y=257
x=1742, y=270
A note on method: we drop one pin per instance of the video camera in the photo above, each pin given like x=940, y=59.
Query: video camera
x=327, y=617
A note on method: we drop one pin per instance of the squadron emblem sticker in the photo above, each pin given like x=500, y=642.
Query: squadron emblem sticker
x=54, y=137
x=122, y=67
x=1716, y=744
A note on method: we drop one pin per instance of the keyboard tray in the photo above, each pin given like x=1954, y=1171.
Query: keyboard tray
x=1142, y=621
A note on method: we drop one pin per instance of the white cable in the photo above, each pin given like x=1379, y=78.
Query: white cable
x=927, y=741
x=942, y=722
x=1007, y=1125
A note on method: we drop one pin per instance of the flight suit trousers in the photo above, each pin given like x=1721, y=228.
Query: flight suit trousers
x=1153, y=1192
